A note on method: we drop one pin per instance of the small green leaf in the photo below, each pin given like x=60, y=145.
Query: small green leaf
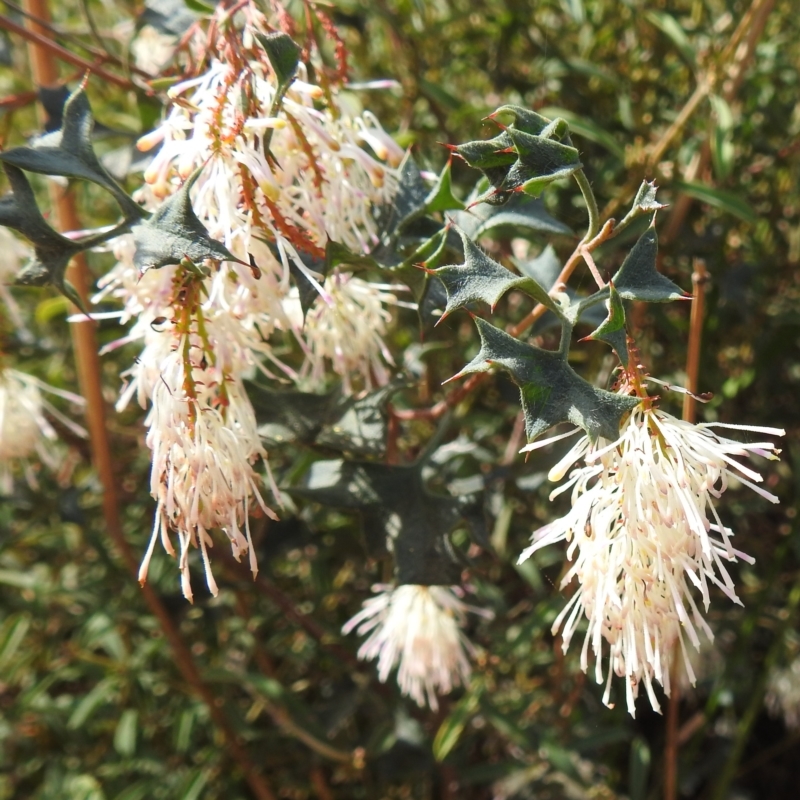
x=551, y=391
x=12, y=633
x=486, y=154
x=359, y=425
x=722, y=149
x=408, y=203
x=482, y=278
x=612, y=329
x=441, y=197
x=639, y=279
x=638, y=769
x=125, y=734
x=645, y=201
x=283, y=54
x=292, y=416
x=86, y=706
x=670, y=27
x=453, y=726
x=69, y=152
x=174, y=232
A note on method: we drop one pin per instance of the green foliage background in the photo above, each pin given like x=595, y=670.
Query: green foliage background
x=91, y=702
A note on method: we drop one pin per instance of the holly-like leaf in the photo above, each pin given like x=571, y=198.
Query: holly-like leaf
x=520, y=216
x=645, y=200
x=359, y=425
x=540, y=162
x=551, y=391
x=638, y=278
x=284, y=56
x=400, y=516
x=292, y=416
x=408, y=203
x=524, y=119
x=52, y=251
x=482, y=278
x=174, y=232
x=487, y=154
x=612, y=329
x=68, y=152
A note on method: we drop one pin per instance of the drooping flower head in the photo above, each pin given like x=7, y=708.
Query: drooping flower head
x=25, y=431
x=419, y=630
x=646, y=541
x=279, y=168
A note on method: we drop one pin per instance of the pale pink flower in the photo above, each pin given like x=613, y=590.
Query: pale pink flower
x=417, y=629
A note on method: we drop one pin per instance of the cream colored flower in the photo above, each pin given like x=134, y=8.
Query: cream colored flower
x=646, y=541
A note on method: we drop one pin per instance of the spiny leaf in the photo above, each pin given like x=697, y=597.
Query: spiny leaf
x=69, y=152
x=638, y=278
x=485, y=154
x=408, y=204
x=400, y=515
x=482, y=278
x=292, y=416
x=612, y=329
x=52, y=251
x=551, y=391
x=645, y=200
x=524, y=119
x=284, y=56
x=540, y=161
x=519, y=216
x=359, y=425
x=174, y=232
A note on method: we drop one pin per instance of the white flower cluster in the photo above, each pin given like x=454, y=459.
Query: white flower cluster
x=417, y=629
x=643, y=536
x=275, y=186
x=25, y=432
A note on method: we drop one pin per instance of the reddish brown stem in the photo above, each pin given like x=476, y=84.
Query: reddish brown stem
x=41, y=42
x=699, y=280
x=45, y=73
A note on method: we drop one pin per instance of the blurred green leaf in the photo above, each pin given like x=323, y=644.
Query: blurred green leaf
x=729, y=202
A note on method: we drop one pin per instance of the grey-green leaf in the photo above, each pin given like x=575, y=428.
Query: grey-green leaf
x=540, y=161
x=551, y=391
x=52, y=251
x=399, y=515
x=482, y=278
x=69, y=152
x=284, y=56
x=612, y=329
x=639, y=279
x=520, y=216
x=174, y=232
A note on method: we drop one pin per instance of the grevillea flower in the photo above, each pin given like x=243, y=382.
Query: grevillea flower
x=645, y=539
x=280, y=175
x=24, y=429
x=417, y=629
x=345, y=329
